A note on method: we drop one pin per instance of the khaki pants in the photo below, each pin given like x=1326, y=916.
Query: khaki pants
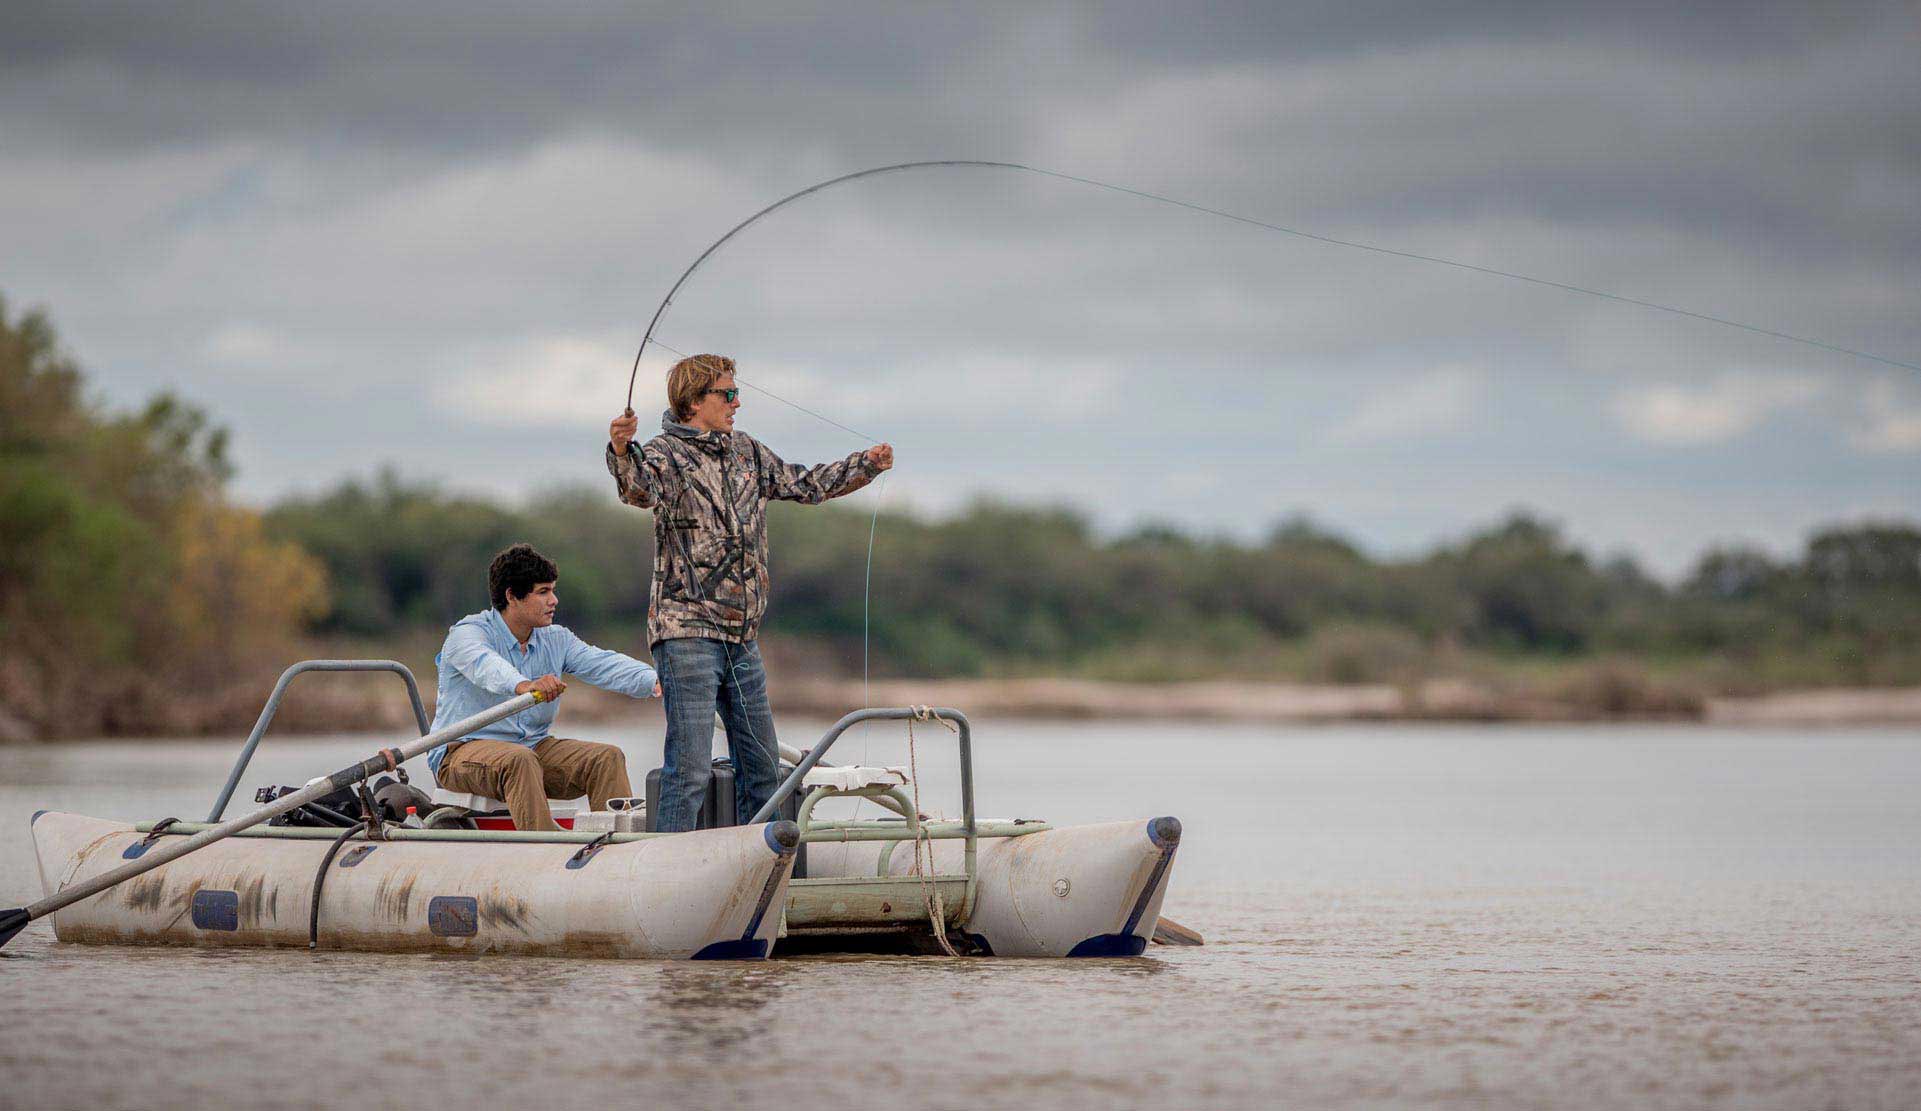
x=525, y=778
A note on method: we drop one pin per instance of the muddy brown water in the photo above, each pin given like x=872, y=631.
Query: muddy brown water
x=1405, y=916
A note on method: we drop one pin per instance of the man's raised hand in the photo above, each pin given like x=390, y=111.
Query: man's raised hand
x=548, y=686
x=621, y=432
x=881, y=458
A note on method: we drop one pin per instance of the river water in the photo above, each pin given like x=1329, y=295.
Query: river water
x=1407, y=916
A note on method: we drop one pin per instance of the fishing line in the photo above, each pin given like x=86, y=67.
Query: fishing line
x=1250, y=221
x=1192, y=207
x=867, y=591
x=1757, y=330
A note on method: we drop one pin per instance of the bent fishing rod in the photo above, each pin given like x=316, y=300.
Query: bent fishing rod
x=387, y=759
x=1249, y=220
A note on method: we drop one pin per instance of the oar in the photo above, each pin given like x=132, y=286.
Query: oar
x=13, y=921
x=1169, y=932
x=793, y=755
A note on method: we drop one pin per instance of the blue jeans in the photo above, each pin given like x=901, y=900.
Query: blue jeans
x=697, y=677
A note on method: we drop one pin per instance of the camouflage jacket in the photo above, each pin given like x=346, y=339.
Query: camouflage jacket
x=709, y=493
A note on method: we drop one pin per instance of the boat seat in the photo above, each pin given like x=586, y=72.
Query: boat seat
x=853, y=777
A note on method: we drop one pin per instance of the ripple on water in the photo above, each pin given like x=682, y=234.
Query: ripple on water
x=1394, y=916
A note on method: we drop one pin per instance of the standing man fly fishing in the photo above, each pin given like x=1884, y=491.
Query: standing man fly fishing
x=708, y=486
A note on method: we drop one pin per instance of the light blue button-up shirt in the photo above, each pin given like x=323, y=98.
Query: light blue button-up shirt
x=481, y=663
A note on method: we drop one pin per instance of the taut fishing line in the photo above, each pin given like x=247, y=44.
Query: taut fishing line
x=648, y=336
x=1252, y=222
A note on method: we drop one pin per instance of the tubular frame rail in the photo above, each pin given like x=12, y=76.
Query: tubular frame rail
x=272, y=707
x=969, y=829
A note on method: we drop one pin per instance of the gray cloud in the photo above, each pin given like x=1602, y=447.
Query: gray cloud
x=351, y=230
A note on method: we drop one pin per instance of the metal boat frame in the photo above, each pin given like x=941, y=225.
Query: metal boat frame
x=873, y=904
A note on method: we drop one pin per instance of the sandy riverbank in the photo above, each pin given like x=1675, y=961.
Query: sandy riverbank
x=1440, y=700
x=352, y=704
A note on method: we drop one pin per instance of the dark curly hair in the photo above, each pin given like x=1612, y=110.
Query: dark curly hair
x=517, y=571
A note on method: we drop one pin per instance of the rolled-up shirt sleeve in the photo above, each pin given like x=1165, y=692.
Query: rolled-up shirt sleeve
x=467, y=652
x=608, y=669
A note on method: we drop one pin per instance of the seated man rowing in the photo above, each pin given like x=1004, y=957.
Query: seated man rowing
x=511, y=649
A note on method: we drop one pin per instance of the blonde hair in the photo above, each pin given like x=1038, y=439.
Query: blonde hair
x=690, y=378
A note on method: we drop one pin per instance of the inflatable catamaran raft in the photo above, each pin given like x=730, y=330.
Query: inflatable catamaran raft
x=609, y=888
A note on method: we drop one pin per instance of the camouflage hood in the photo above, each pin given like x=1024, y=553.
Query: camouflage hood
x=709, y=492
x=672, y=427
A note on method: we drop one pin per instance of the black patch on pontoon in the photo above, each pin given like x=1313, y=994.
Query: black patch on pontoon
x=139, y=848
x=1110, y=945
x=357, y=855
x=453, y=915
x=784, y=838
x=738, y=949
x=1127, y=943
x=587, y=851
x=1154, y=879
x=216, y=910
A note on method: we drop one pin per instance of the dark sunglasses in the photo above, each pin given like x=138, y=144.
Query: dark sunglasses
x=728, y=394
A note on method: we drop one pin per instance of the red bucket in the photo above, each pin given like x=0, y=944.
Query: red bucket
x=562, y=818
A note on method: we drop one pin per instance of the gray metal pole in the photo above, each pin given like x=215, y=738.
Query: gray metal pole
x=12, y=921
x=272, y=707
x=900, y=713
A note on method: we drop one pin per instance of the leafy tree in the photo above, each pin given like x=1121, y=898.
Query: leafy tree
x=120, y=561
x=1523, y=586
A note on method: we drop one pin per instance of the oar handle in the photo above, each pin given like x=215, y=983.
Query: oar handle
x=794, y=756
x=385, y=760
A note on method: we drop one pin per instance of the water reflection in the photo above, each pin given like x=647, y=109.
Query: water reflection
x=1394, y=916
x=712, y=1005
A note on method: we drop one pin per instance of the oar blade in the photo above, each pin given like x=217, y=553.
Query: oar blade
x=12, y=922
x=1169, y=932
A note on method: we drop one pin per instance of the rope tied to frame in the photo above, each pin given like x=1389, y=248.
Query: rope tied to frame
x=929, y=890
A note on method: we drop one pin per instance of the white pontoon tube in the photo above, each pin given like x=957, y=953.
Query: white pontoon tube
x=1006, y=888
x=387, y=759
x=708, y=895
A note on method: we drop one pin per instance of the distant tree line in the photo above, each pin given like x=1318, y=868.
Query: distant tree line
x=126, y=574
x=124, y=571
x=999, y=589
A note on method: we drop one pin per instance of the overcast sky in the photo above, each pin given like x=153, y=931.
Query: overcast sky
x=433, y=235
